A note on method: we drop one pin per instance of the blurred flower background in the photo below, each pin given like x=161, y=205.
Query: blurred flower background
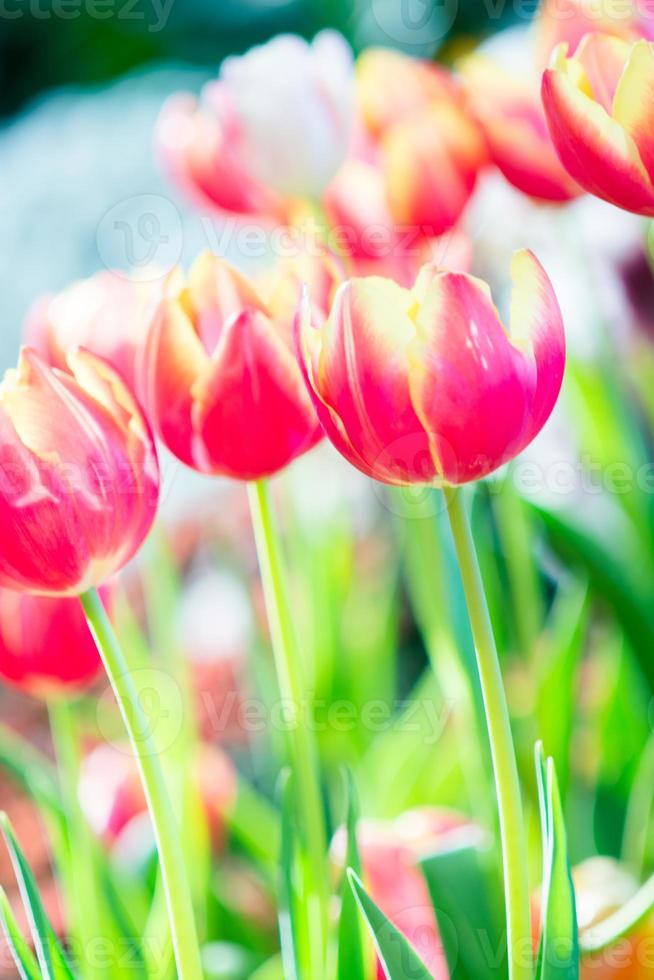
x=94, y=180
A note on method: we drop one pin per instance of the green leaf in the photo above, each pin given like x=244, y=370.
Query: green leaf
x=398, y=957
x=288, y=926
x=351, y=950
x=23, y=957
x=51, y=957
x=558, y=954
x=461, y=889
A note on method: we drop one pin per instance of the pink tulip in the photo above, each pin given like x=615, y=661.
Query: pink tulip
x=80, y=479
x=46, y=647
x=219, y=375
x=510, y=113
x=425, y=385
x=600, y=111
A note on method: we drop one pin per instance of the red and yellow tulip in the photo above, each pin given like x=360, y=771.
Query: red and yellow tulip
x=599, y=105
x=219, y=376
x=80, y=478
x=424, y=140
x=425, y=385
x=511, y=115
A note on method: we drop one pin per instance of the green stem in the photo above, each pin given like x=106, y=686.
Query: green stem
x=80, y=859
x=301, y=747
x=166, y=830
x=507, y=785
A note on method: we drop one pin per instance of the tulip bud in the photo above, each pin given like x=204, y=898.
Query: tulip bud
x=79, y=478
x=425, y=385
x=599, y=106
x=219, y=375
x=46, y=647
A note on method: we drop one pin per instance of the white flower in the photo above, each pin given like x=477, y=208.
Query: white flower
x=295, y=105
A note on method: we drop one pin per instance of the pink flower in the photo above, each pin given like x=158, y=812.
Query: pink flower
x=600, y=111
x=275, y=126
x=421, y=137
x=79, y=475
x=46, y=647
x=510, y=113
x=219, y=377
x=425, y=385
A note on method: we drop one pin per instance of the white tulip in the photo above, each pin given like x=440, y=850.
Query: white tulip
x=295, y=104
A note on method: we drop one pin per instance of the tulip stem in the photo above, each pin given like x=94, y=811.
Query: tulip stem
x=507, y=784
x=166, y=830
x=301, y=747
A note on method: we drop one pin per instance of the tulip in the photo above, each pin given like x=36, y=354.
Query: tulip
x=568, y=21
x=512, y=118
x=390, y=851
x=197, y=145
x=425, y=385
x=276, y=125
x=46, y=647
x=80, y=478
x=219, y=376
x=105, y=314
x=599, y=106
x=425, y=142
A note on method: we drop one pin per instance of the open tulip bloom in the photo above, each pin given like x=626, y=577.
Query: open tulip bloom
x=599, y=105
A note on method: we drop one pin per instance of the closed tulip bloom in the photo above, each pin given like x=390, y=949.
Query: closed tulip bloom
x=600, y=111
x=511, y=115
x=105, y=314
x=425, y=385
x=46, y=647
x=219, y=375
x=79, y=475
x=428, y=146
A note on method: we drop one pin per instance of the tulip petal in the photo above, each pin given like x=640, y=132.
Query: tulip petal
x=596, y=150
x=251, y=412
x=603, y=58
x=633, y=106
x=472, y=387
x=173, y=360
x=361, y=371
x=39, y=521
x=217, y=292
